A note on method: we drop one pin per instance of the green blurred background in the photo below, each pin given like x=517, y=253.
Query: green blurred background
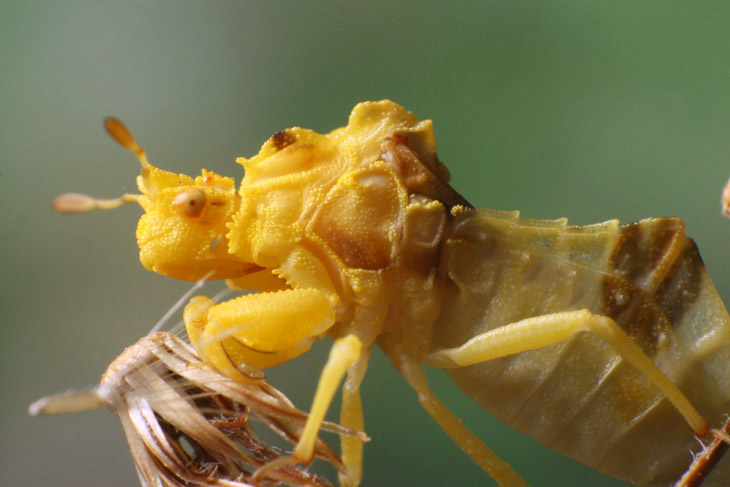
x=586, y=109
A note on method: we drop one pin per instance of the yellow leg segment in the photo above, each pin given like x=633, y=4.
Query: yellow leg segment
x=258, y=330
x=343, y=354
x=540, y=331
x=469, y=443
x=352, y=417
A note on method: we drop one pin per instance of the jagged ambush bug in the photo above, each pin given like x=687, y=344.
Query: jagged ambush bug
x=606, y=343
x=187, y=425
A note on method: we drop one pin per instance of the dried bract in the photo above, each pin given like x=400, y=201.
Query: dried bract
x=187, y=425
x=706, y=460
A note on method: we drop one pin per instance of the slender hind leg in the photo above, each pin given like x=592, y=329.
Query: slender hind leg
x=541, y=331
x=469, y=443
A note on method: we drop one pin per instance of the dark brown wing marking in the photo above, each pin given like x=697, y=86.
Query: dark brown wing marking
x=654, y=276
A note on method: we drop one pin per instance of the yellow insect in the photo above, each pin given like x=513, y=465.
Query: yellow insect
x=607, y=343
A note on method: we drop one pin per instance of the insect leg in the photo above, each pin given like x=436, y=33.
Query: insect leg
x=343, y=355
x=352, y=417
x=469, y=443
x=541, y=331
x=261, y=330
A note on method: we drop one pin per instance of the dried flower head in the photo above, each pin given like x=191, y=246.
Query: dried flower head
x=188, y=425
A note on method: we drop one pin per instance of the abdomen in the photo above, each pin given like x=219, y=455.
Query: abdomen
x=578, y=396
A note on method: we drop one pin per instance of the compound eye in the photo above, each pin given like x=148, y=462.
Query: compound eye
x=190, y=202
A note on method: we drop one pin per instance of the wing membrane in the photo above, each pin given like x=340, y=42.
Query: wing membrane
x=578, y=396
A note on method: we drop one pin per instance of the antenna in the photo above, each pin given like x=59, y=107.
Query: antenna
x=119, y=132
x=81, y=203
